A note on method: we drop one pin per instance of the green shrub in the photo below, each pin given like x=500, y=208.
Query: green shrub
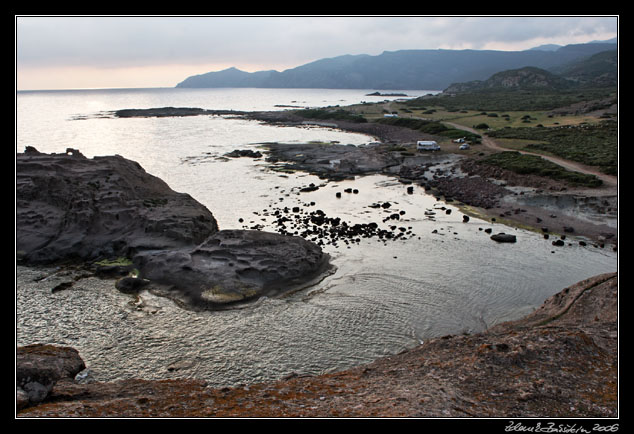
x=535, y=165
x=338, y=114
x=594, y=145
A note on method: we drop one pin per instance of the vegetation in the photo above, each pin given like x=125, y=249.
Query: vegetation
x=535, y=165
x=512, y=99
x=120, y=261
x=338, y=114
x=425, y=126
x=430, y=127
x=591, y=144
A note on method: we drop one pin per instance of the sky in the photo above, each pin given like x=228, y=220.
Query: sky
x=88, y=52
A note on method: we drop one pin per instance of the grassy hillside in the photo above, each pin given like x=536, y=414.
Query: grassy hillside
x=496, y=99
x=592, y=144
x=534, y=165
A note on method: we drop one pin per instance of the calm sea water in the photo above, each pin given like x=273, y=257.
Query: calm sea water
x=447, y=278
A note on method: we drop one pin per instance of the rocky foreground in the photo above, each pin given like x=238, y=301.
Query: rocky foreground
x=560, y=361
x=73, y=209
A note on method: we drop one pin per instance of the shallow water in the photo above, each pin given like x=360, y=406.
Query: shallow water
x=447, y=277
x=384, y=297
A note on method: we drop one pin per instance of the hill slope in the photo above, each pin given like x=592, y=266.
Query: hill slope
x=523, y=78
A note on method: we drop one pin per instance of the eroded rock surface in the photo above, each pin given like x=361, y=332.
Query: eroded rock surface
x=234, y=265
x=39, y=367
x=69, y=207
x=74, y=209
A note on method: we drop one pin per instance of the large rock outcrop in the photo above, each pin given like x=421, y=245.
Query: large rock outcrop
x=40, y=367
x=234, y=266
x=71, y=208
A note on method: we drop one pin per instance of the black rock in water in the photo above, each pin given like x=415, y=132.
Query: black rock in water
x=504, y=238
x=234, y=266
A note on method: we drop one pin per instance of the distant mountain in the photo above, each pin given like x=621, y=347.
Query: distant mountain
x=598, y=70
x=547, y=47
x=404, y=69
x=555, y=47
x=231, y=77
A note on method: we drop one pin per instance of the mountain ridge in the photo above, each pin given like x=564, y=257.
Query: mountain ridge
x=402, y=69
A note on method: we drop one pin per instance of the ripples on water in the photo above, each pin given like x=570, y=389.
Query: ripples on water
x=383, y=298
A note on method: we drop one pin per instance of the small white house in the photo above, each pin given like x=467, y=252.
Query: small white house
x=390, y=115
x=427, y=145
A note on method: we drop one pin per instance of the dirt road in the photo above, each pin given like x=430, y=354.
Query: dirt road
x=608, y=180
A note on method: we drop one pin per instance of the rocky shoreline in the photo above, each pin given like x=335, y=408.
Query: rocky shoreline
x=561, y=361
x=551, y=207
x=75, y=210
x=544, y=205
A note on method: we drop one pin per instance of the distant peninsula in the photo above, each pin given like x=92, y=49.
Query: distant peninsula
x=417, y=69
x=385, y=94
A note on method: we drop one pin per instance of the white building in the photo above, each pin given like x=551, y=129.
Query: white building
x=427, y=145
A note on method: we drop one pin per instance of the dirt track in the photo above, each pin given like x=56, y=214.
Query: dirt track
x=610, y=181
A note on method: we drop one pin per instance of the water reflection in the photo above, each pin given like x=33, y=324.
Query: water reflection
x=384, y=297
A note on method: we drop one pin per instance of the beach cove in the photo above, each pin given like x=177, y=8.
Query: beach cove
x=440, y=275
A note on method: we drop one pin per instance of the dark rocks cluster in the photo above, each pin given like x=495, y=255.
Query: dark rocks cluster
x=324, y=230
x=244, y=153
x=303, y=220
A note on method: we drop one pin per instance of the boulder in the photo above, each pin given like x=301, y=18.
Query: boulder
x=71, y=208
x=39, y=367
x=244, y=153
x=504, y=238
x=233, y=266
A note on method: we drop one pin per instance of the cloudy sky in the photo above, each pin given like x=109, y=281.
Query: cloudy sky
x=62, y=52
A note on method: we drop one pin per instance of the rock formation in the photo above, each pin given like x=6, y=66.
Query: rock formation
x=233, y=266
x=73, y=209
x=69, y=207
x=39, y=367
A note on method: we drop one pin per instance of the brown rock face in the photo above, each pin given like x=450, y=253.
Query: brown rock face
x=39, y=367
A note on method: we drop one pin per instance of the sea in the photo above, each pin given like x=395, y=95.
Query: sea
x=445, y=277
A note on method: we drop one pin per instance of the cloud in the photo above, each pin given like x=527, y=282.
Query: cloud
x=117, y=41
x=257, y=43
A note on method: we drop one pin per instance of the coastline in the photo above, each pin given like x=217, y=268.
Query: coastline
x=530, y=202
x=423, y=379
x=559, y=361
